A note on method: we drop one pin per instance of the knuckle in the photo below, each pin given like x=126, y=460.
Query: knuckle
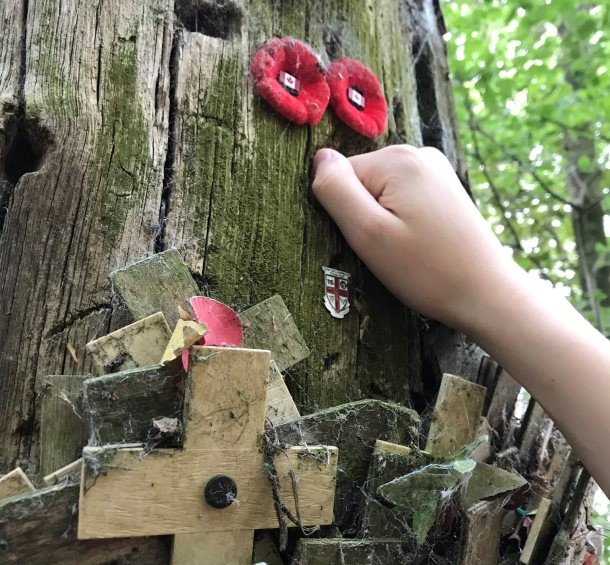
x=402, y=151
x=433, y=152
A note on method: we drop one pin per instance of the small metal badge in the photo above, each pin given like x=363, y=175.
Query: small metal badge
x=356, y=98
x=289, y=82
x=336, y=293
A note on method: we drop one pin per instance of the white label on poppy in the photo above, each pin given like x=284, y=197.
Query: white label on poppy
x=289, y=82
x=355, y=97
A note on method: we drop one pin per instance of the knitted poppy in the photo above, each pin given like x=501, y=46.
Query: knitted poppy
x=357, y=98
x=290, y=77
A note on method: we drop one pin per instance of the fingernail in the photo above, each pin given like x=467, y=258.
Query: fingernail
x=324, y=155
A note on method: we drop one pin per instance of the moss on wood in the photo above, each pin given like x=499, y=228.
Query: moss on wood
x=353, y=428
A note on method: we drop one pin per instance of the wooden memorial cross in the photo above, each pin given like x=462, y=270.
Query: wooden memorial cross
x=215, y=491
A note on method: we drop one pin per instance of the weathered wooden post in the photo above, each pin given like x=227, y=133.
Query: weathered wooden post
x=131, y=127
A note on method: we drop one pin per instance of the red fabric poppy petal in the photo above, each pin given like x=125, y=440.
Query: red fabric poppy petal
x=373, y=119
x=294, y=57
x=281, y=101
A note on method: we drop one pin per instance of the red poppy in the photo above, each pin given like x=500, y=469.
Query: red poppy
x=357, y=98
x=290, y=77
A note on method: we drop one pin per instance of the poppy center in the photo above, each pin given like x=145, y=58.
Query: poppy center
x=356, y=98
x=289, y=82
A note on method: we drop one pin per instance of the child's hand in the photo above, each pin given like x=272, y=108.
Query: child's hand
x=405, y=213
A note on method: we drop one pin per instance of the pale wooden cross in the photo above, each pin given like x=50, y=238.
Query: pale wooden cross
x=125, y=492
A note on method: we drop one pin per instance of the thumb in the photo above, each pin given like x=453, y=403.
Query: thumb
x=339, y=190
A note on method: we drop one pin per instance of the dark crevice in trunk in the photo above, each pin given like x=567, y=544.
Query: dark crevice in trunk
x=168, y=167
x=431, y=127
x=214, y=18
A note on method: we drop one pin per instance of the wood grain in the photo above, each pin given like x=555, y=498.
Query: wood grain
x=62, y=431
x=280, y=407
x=481, y=533
x=95, y=93
x=124, y=493
x=228, y=185
x=40, y=529
x=269, y=325
x=140, y=344
x=159, y=283
x=217, y=548
x=225, y=406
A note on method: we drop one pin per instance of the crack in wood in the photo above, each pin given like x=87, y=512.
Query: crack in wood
x=71, y=319
x=168, y=167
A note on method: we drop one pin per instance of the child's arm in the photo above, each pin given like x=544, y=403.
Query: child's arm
x=404, y=211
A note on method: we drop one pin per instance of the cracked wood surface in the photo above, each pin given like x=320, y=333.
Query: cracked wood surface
x=155, y=139
x=96, y=78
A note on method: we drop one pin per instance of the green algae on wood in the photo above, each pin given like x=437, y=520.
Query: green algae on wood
x=423, y=494
x=353, y=428
x=341, y=551
x=379, y=520
x=158, y=283
x=40, y=527
x=270, y=325
x=123, y=407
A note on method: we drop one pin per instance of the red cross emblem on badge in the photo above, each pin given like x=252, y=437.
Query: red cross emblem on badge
x=336, y=295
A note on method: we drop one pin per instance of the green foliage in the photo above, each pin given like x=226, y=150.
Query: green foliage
x=530, y=78
x=602, y=522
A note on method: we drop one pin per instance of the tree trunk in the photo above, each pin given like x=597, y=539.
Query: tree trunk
x=128, y=128
x=131, y=127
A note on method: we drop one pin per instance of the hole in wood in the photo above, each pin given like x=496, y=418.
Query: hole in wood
x=26, y=144
x=214, y=18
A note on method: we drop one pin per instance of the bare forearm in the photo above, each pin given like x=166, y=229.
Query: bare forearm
x=558, y=357
x=406, y=214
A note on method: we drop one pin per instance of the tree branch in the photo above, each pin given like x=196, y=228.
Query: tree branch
x=498, y=199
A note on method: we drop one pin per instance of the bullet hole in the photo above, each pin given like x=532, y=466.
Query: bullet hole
x=214, y=18
x=25, y=145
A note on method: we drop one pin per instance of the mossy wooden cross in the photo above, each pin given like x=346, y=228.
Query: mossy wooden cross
x=127, y=492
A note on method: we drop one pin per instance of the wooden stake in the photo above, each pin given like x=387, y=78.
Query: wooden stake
x=62, y=431
x=16, y=482
x=281, y=408
x=140, y=344
x=457, y=415
x=542, y=515
x=159, y=283
x=71, y=472
x=269, y=325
